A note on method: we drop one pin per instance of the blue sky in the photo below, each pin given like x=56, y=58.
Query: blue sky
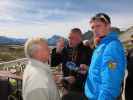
x=26, y=18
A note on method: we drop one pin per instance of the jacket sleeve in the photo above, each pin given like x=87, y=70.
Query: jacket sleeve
x=112, y=71
x=84, y=59
x=37, y=94
x=55, y=58
x=129, y=60
x=86, y=55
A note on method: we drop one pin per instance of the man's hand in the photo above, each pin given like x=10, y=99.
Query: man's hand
x=83, y=68
x=58, y=78
x=70, y=79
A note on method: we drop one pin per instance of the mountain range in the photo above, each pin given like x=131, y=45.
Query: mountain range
x=11, y=41
x=53, y=40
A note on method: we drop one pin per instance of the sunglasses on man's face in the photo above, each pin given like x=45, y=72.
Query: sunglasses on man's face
x=100, y=17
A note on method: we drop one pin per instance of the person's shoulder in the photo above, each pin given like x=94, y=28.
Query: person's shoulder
x=53, y=50
x=114, y=46
x=65, y=49
x=28, y=68
x=114, y=43
x=85, y=48
x=31, y=70
x=130, y=50
x=81, y=45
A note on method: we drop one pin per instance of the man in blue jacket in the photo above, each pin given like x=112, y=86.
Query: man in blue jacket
x=108, y=63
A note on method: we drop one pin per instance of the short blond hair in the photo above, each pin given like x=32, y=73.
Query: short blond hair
x=32, y=44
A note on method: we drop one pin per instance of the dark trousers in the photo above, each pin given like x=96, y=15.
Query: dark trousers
x=129, y=89
x=74, y=96
x=5, y=89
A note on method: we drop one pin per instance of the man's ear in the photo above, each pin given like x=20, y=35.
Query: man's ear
x=109, y=26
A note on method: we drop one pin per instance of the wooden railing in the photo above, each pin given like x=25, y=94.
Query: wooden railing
x=19, y=65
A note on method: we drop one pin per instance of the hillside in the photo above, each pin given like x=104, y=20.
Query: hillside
x=11, y=41
x=11, y=52
x=125, y=37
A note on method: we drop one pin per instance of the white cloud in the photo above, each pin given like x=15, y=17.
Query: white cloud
x=47, y=30
x=24, y=18
x=122, y=21
x=59, y=28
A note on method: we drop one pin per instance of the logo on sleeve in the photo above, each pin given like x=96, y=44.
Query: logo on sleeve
x=112, y=64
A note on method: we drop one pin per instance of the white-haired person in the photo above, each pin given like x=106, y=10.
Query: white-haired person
x=38, y=83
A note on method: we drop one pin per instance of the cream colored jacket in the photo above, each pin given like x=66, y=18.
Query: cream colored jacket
x=38, y=83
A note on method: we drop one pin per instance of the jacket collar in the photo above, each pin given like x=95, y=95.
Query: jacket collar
x=39, y=64
x=110, y=36
x=78, y=46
